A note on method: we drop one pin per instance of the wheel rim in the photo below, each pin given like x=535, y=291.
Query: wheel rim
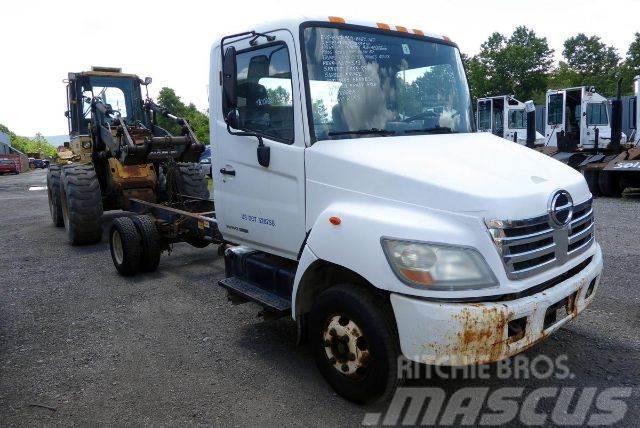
x=116, y=244
x=345, y=346
x=65, y=207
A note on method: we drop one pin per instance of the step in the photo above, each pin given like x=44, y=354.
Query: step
x=244, y=289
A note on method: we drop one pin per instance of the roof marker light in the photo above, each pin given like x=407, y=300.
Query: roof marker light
x=446, y=38
x=335, y=220
x=336, y=20
x=418, y=32
x=402, y=29
x=383, y=26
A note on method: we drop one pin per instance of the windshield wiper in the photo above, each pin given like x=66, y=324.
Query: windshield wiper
x=375, y=131
x=434, y=130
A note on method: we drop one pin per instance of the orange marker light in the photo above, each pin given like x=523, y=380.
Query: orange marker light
x=335, y=220
x=383, y=26
x=336, y=19
x=402, y=29
x=418, y=32
x=446, y=38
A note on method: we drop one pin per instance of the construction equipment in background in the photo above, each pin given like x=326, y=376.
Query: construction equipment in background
x=509, y=118
x=117, y=152
x=623, y=171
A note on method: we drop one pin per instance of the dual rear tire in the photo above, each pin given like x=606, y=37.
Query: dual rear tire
x=135, y=245
x=603, y=183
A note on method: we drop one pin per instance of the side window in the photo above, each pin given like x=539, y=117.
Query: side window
x=484, y=115
x=265, y=92
x=554, y=109
x=517, y=119
x=597, y=114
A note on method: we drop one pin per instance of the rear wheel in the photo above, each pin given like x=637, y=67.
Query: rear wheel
x=591, y=177
x=355, y=343
x=150, y=241
x=186, y=179
x=81, y=202
x=53, y=192
x=126, y=247
x=609, y=184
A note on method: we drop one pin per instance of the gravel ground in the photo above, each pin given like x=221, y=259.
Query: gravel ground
x=81, y=345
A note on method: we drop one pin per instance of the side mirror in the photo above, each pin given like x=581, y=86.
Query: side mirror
x=229, y=80
x=66, y=114
x=233, y=119
x=147, y=81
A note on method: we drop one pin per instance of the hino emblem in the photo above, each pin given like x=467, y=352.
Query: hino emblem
x=560, y=209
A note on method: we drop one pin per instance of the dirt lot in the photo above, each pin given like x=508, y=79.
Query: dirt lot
x=167, y=348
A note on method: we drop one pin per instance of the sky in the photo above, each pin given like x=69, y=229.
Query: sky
x=42, y=40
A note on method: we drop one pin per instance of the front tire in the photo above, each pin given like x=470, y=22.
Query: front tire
x=591, y=177
x=81, y=204
x=125, y=246
x=53, y=192
x=355, y=342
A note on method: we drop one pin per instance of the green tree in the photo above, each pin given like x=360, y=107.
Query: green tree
x=588, y=61
x=519, y=64
x=31, y=146
x=319, y=110
x=198, y=120
x=278, y=96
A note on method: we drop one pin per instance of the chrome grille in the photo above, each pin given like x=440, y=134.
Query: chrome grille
x=533, y=245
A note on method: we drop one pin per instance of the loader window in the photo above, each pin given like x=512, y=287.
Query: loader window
x=554, y=108
x=265, y=101
x=597, y=114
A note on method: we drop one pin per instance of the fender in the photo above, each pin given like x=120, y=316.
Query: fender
x=354, y=244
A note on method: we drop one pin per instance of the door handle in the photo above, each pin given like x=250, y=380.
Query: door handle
x=227, y=171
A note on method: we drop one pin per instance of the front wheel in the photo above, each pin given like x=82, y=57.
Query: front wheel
x=355, y=343
x=53, y=192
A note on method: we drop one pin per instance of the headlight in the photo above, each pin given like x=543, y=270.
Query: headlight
x=438, y=266
x=86, y=144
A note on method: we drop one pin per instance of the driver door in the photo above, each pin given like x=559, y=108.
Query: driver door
x=555, y=116
x=263, y=207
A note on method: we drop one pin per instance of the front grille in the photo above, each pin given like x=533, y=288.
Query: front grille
x=531, y=246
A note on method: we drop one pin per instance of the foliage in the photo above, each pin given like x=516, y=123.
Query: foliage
x=518, y=65
x=198, y=120
x=278, y=96
x=30, y=146
x=320, y=114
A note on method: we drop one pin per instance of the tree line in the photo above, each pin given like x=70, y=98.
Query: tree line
x=26, y=145
x=522, y=64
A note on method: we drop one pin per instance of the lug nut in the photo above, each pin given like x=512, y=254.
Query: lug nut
x=332, y=332
x=345, y=368
x=352, y=356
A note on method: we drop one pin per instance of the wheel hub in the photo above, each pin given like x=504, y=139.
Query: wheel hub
x=345, y=346
x=118, y=252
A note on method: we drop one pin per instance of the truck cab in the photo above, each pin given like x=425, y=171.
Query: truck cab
x=506, y=117
x=574, y=116
x=354, y=195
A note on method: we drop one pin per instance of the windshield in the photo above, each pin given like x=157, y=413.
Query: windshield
x=365, y=83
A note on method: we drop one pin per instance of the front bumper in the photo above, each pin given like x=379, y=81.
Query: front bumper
x=457, y=334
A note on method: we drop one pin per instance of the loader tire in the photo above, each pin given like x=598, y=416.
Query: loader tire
x=125, y=244
x=53, y=192
x=609, y=184
x=150, y=240
x=81, y=204
x=591, y=177
x=187, y=179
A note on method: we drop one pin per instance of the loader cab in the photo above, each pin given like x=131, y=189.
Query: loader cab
x=503, y=116
x=120, y=90
x=575, y=116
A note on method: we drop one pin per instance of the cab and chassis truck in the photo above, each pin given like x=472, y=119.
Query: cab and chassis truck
x=352, y=195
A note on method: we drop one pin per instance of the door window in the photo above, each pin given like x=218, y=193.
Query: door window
x=597, y=114
x=554, y=109
x=484, y=115
x=265, y=101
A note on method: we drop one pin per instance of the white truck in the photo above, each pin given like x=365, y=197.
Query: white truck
x=507, y=117
x=352, y=194
x=573, y=118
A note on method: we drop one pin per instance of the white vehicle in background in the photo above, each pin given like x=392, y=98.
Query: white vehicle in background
x=506, y=117
x=353, y=196
x=575, y=117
